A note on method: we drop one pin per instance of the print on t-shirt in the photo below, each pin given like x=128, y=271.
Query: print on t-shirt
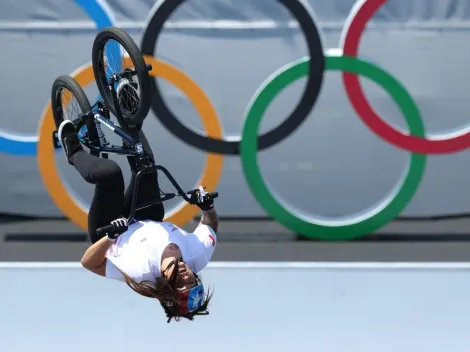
x=212, y=240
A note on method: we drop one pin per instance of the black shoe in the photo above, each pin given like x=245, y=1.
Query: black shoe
x=69, y=139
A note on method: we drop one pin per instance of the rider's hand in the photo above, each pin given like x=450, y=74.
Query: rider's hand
x=119, y=227
x=202, y=199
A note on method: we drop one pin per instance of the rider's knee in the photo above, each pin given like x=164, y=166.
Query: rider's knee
x=112, y=173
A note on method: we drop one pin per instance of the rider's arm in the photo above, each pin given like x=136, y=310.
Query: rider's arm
x=206, y=232
x=211, y=219
x=94, y=258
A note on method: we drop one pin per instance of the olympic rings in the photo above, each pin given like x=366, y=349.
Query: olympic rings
x=351, y=228
x=84, y=75
x=10, y=143
x=304, y=15
x=362, y=13
x=314, y=68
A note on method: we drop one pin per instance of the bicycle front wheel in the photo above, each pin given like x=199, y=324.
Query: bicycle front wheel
x=115, y=52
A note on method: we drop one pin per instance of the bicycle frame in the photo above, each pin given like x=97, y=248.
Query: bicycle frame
x=132, y=141
x=102, y=115
x=130, y=135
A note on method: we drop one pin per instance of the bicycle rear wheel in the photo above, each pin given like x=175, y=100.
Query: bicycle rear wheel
x=69, y=102
x=132, y=85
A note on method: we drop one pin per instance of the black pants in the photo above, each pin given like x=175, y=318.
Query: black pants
x=110, y=201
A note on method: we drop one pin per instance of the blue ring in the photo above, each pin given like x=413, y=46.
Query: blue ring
x=97, y=12
x=27, y=145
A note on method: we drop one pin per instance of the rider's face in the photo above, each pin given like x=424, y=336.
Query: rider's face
x=186, y=278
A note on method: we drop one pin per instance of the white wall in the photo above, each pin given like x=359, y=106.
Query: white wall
x=325, y=309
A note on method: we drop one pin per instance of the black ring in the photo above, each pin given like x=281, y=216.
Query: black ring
x=293, y=121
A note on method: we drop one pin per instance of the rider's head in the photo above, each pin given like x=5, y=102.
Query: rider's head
x=179, y=290
x=188, y=297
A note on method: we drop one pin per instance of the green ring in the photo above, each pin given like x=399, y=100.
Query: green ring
x=361, y=224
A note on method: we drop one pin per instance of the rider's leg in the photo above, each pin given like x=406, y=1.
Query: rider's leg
x=108, y=199
x=148, y=190
x=105, y=174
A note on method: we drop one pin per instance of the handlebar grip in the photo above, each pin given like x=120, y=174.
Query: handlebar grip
x=104, y=230
x=193, y=200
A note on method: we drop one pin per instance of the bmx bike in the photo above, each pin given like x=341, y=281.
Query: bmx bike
x=126, y=95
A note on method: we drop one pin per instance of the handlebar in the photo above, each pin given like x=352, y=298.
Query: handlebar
x=108, y=229
x=213, y=194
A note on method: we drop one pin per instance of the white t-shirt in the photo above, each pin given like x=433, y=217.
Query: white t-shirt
x=138, y=251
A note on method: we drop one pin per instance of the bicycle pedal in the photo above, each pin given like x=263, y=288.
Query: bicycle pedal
x=55, y=140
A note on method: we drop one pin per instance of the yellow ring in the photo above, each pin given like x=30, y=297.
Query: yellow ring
x=69, y=206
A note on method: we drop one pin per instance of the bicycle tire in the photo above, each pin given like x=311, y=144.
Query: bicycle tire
x=125, y=40
x=77, y=91
x=72, y=85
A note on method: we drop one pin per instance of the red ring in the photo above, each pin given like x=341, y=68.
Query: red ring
x=363, y=13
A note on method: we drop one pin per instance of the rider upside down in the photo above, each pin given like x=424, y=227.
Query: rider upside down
x=156, y=259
